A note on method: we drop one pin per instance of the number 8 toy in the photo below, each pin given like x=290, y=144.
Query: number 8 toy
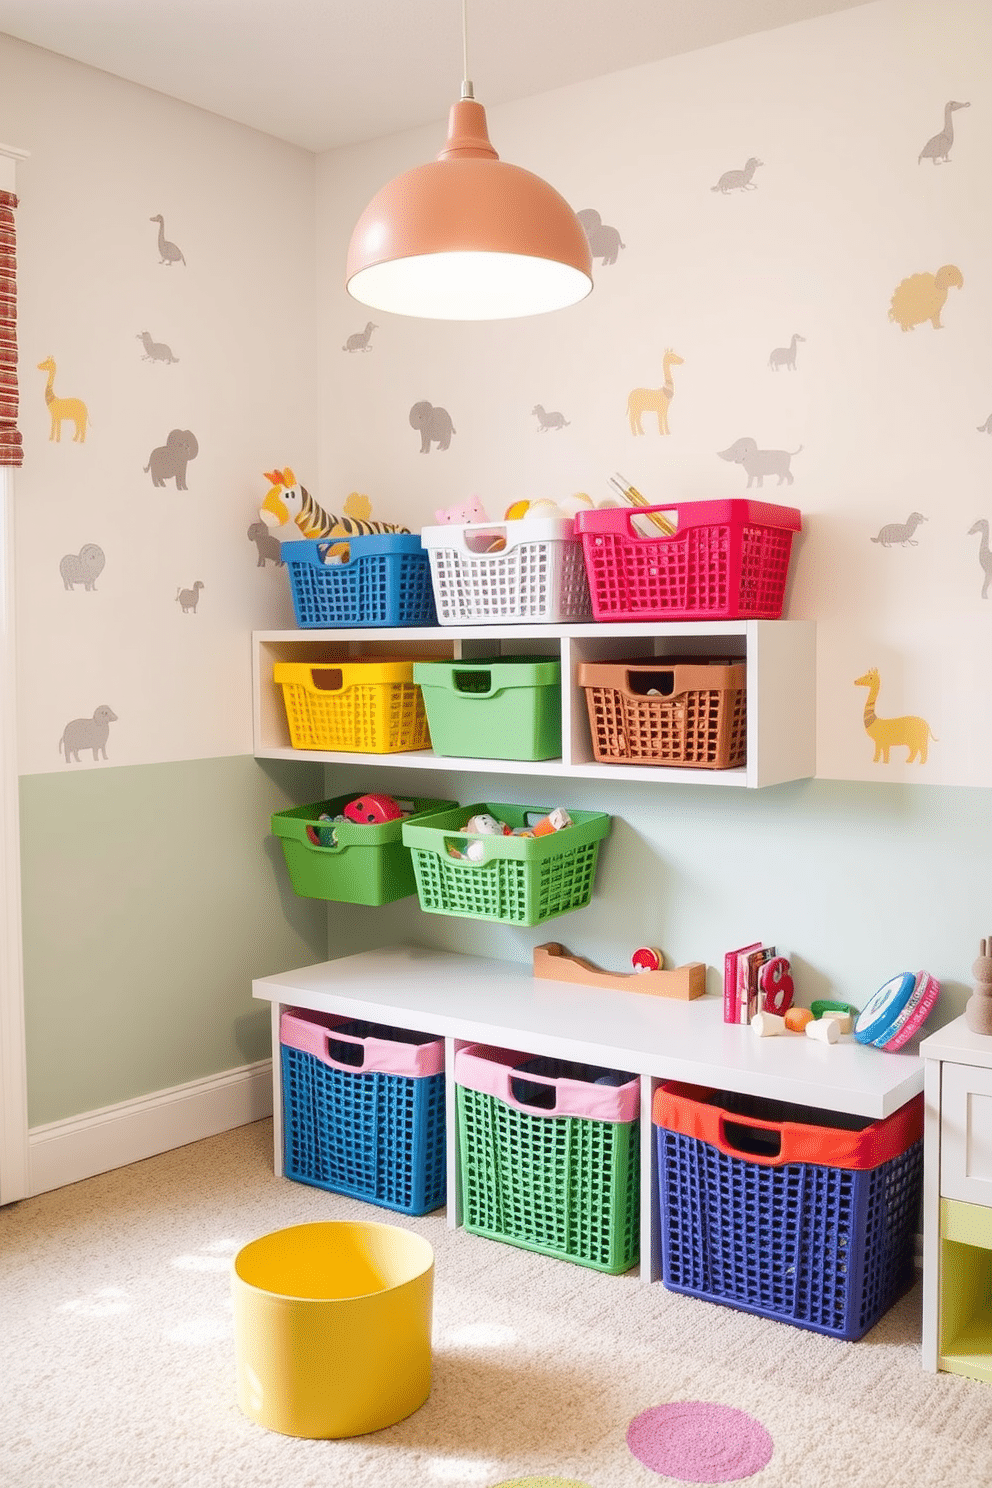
x=776, y=985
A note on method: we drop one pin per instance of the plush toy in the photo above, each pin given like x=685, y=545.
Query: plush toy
x=471, y=510
x=487, y=826
x=287, y=501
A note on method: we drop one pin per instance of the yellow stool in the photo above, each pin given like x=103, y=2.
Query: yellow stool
x=332, y=1327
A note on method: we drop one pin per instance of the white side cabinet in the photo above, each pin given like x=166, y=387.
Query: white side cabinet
x=780, y=657
x=957, y=1202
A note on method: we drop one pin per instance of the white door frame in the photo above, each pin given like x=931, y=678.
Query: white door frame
x=14, y=1178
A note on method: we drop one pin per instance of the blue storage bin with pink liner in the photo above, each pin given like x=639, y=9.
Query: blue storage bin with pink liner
x=363, y=1109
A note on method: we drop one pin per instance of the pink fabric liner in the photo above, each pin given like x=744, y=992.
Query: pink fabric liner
x=310, y=1031
x=483, y=1067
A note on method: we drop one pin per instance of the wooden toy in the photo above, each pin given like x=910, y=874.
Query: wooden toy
x=647, y=958
x=796, y=1019
x=844, y=1011
x=978, y=1008
x=767, y=1025
x=824, y=1030
x=552, y=962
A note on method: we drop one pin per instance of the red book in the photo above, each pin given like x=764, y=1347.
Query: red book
x=731, y=997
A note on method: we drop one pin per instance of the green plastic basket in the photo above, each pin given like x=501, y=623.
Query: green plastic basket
x=505, y=707
x=567, y=1186
x=519, y=880
x=366, y=864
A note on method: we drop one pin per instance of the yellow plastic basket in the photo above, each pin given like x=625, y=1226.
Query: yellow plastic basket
x=366, y=707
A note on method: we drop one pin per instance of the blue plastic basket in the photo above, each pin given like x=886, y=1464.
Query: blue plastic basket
x=825, y=1248
x=386, y=581
x=371, y=1135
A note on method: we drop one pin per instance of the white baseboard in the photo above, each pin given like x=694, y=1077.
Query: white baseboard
x=82, y=1146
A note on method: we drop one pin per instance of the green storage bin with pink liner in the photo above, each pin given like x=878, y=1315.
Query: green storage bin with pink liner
x=358, y=863
x=514, y=880
x=548, y=1155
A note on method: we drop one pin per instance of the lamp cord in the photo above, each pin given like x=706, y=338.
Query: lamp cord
x=467, y=89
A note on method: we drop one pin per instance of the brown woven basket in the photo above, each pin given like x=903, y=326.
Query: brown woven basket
x=667, y=712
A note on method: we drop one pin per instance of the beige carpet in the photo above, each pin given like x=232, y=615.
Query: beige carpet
x=117, y=1365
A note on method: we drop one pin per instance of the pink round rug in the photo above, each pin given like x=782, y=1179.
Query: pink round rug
x=699, y=1442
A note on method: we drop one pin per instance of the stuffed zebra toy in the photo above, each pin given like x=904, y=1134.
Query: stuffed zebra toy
x=288, y=501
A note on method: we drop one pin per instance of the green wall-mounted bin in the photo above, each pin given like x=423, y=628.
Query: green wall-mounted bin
x=501, y=707
x=354, y=863
x=516, y=880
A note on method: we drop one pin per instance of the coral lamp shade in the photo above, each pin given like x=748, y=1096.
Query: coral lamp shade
x=468, y=237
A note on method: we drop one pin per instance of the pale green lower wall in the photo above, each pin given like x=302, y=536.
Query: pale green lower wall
x=854, y=882
x=151, y=897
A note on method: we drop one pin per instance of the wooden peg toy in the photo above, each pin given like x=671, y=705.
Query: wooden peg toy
x=824, y=1030
x=767, y=1025
x=978, y=1008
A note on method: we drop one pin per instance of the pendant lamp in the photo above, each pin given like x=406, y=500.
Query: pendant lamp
x=468, y=237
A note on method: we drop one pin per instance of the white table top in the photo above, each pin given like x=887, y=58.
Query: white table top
x=500, y=1002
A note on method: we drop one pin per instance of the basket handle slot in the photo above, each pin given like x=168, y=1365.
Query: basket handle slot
x=336, y=551
x=327, y=679
x=657, y=523
x=533, y=1091
x=343, y=1050
x=478, y=683
x=762, y=1141
x=485, y=540
x=642, y=683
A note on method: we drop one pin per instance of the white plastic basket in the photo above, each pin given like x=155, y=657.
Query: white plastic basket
x=505, y=572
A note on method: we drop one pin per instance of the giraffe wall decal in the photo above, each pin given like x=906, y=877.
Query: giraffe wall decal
x=654, y=400
x=914, y=733
x=60, y=409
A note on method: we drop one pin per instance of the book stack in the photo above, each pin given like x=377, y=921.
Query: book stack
x=741, y=971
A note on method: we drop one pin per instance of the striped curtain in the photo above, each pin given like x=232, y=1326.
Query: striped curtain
x=11, y=452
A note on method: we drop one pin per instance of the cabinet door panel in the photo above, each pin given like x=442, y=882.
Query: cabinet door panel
x=966, y=1134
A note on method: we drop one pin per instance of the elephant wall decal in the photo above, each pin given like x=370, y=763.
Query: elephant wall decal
x=169, y=461
x=434, y=424
x=604, y=241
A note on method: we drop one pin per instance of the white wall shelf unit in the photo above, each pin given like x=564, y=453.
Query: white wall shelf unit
x=468, y=999
x=780, y=657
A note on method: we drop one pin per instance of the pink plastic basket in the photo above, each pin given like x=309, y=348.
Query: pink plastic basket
x=497, y=1072
x=726, y=560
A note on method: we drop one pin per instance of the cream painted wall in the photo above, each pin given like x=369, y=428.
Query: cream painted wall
x=105, y=157
x=874, y=868
x=886, y=422
x=150, y=896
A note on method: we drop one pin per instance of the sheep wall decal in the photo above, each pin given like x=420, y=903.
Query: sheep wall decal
x=84, y=567
x=87, y=733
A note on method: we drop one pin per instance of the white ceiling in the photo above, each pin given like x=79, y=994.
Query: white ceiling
x=323, y=73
